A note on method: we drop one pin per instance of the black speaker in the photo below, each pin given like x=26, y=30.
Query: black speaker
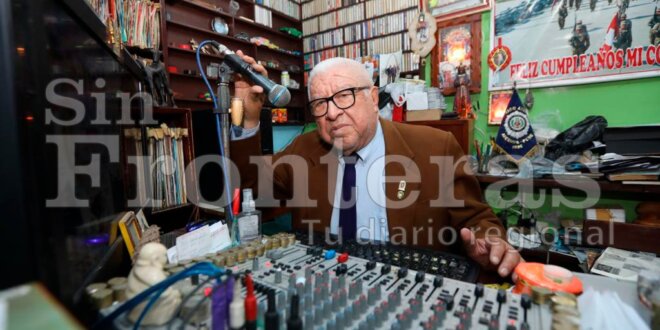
x=266, y=127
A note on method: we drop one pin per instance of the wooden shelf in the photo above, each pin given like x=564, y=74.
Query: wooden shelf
x=189, y=17
x=209, y=32
x=356, y=42
x=334, y=10
x=192, y=52
x=170, y=208
x=283, y=69
x=368, y=19
x=266, y=27
x=98, y=31
x=403, y=52
x=181, y=75
x=290, y=123
x=277, y=51
x=209, y=10
x=193, y=100
x=577, y=183
x=280, y=14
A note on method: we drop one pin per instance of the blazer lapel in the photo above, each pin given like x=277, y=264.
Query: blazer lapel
x=323, y=177
x=399, y=162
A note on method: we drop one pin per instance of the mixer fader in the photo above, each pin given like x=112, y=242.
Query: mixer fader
x=341, y=291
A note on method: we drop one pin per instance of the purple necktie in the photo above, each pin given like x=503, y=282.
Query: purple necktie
x=348, y=211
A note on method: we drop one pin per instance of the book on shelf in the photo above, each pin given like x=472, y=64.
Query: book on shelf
x=167, y=157
x=135, y=22
x=634, y=176
x=642, y=182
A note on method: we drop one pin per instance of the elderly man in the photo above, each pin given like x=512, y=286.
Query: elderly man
x=363, y=177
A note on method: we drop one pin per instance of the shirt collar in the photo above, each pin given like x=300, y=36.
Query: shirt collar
x=375, y=148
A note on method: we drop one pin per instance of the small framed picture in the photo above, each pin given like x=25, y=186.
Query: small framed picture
x=497, y=103
x=458, y=43
x=131, y=231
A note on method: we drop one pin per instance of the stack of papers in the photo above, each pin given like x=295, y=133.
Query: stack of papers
x=625, y=265
x=200, y=242
x=435, y=99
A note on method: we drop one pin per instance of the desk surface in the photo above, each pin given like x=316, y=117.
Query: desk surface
x=31, y=306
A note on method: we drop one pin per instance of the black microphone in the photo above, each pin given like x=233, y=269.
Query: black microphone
x=278, y=95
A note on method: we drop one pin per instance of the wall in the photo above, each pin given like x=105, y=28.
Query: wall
x=623, y=103
x=283, y=135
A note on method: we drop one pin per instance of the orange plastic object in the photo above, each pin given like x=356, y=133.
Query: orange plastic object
x=551, y=277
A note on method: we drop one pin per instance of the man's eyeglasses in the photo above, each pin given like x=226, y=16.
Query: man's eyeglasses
x=343, y=99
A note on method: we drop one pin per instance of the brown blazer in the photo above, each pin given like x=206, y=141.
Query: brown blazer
x=413, y=213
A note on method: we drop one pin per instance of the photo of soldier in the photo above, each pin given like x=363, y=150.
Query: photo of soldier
x=624, y=38
x=607, y=27
x=563, y=13
x=579, y=39
x=654, y=34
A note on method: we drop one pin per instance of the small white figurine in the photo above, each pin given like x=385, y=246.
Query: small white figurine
x=148, y=271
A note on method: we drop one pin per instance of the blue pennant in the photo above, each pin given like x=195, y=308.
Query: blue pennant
x=515, y=137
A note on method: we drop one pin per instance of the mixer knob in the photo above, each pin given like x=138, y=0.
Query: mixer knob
x=278, y=276
x=379, y=316
x=343, y=299
x=385, y=269
x=479, y=290
x=402, y=272
x=371, y=295
x=342, y=281
x=525, y=301
x=334, y=284
x=335, y=302
x=330, y=254
x=371, y=321
x=437, y=281
x=501, y=296
x=308, y=271
x=326, y=277
x=353, y=289
x=419, y=277
x=308, y=302
x=349, y=314
x=318, y=279
x=339, y=320
x=318, y=313
x=309, y=319
x=292, y=280
x=371, y=265
x=327, y=308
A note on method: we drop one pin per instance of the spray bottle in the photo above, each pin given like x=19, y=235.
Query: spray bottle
x=249, y=221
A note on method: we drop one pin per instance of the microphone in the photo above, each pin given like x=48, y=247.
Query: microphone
x=278, y=95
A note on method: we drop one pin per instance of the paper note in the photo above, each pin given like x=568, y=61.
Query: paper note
x=171, y=255
x=219, y=237
x=193, y=244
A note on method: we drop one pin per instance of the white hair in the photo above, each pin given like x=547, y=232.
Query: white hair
x=356, y=67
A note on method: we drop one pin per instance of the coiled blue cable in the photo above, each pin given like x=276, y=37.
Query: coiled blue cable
x=202, y=268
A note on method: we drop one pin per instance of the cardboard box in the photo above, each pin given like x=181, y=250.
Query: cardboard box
x=417, y=101
x=421, y=115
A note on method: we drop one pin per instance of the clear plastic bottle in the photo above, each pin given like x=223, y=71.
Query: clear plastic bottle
x=249, y=220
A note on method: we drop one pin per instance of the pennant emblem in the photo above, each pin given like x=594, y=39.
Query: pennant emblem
x=515, y=137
